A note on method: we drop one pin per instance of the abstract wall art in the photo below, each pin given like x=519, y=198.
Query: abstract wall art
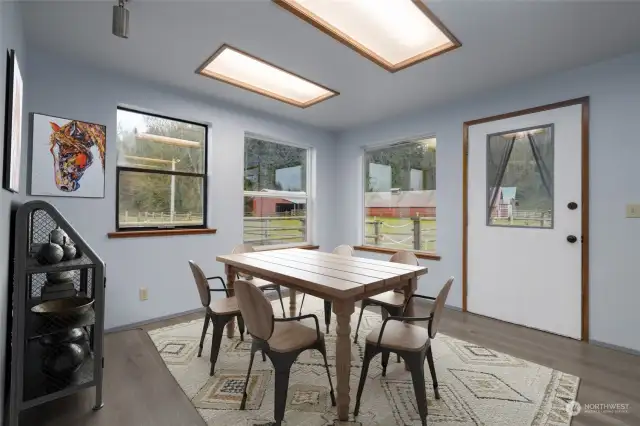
x=67, y=157
x=13, y=125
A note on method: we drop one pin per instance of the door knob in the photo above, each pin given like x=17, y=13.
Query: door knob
x=572, y=239
x=572, y=205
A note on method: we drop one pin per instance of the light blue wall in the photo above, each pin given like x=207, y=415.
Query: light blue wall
x=614, y=88
x=11, y=37
x=60, y=88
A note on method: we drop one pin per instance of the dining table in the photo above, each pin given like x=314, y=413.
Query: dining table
x=343, y=280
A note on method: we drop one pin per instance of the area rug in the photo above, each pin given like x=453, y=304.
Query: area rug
x=478, y=386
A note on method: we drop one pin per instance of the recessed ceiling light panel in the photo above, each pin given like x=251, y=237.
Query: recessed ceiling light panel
x=240, y=69
x=393, y=33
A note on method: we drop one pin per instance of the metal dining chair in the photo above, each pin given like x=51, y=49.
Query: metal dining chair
x=219, y=312
x=412, y=343
x=281, y=339
x=263, y=285
x=342, y=250
x=390, y=302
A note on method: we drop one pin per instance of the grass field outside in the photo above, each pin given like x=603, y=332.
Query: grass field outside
x=397, y=233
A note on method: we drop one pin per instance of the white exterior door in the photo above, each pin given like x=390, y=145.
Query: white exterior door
x=524, y=211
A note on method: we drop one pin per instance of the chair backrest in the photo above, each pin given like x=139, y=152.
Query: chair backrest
x=242, y=248
x=256, y=310
x=201, y=283
x=343, y=250
x=438, y=307
x=405, y=257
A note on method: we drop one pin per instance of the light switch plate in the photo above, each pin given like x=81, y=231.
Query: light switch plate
x=144, y=294
x=633, y=210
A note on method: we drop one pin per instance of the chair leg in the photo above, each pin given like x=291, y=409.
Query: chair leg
x=415, y=361
x=369, y=353
x=327, y=314
x=204, y=332
x=241, y=327
x=432, y=368
x=282, y=385
x=301, y=304
x=246, y=382
x=218, y=331
x=363, y=305
x=284, y=314
x=264, y=357
x=398, y=313
x=385, y=362
x=323, y=351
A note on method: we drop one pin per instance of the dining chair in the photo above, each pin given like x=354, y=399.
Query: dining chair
x=341, y=250
x=412, y=343
x=263, y=285
x=219, y=311
x=390, y=302
x=281, y=339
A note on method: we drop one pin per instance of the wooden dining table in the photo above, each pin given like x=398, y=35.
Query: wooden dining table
x=341, y=279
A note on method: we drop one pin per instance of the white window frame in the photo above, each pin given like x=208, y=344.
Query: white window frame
x=363, y=173
x=308, y=197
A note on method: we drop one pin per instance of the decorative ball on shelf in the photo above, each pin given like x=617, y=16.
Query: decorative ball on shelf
x=64, y=359
x=69, y=250
x=58, y=236
x=50, y=253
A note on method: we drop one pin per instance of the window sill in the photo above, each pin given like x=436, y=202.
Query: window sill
x=160, y=233
x=419, y=255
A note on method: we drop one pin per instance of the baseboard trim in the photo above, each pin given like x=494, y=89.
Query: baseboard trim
x=139, y=324
x=614, y=347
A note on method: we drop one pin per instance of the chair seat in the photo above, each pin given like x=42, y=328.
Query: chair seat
x=389, y=298
x=291, y=336
x=224, y=306
x=400, y=336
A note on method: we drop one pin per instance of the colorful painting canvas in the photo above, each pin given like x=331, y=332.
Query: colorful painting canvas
x=67, y=157
x=13, y=125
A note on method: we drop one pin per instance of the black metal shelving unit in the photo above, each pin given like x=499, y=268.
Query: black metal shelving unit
x=31, y=383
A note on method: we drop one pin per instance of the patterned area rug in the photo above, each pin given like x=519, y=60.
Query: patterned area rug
x=478, y=386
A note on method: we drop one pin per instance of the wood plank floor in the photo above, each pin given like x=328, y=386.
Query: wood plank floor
x=140, y=391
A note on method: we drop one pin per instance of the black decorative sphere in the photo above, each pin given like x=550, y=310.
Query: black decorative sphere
x=69, y=252
x=50, y=254
x=64, y=359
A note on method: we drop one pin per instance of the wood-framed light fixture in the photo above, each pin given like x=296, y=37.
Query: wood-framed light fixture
x=394, y=34
x=241, y=69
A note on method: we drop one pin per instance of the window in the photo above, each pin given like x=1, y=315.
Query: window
x=520, y=166
x=161, y=172
x=276, y=182
x=400, y=196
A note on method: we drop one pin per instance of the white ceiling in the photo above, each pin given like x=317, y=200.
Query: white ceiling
x=503, y=42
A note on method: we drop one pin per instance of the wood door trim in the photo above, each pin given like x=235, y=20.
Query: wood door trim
x=584, y=101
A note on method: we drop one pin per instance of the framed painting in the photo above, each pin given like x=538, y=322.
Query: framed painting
x=67, y=157
x=13, y=124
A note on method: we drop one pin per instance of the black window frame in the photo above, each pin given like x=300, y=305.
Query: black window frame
x=204, y=176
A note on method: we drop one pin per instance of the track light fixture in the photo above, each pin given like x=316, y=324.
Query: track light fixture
x=120, y=26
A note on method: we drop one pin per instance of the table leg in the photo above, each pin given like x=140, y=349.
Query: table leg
x=409, y=289
x=292, y=303
x=231, y=279
x=343, y=310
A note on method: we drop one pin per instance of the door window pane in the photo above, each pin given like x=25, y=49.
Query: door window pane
x=520, y=178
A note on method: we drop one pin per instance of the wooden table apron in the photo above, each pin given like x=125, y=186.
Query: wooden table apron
x=343, y=302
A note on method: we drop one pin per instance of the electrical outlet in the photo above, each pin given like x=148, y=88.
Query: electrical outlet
x=633, y=210
x=144, y=293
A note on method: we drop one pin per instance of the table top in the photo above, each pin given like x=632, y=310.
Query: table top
x=324, y=274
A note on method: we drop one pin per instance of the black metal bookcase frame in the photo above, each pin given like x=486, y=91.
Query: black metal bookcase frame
x=30, y=386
